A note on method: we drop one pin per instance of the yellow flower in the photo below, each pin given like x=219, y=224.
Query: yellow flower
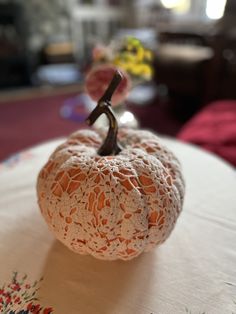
x=140, y=54
x=136, y=70
x=128, y=57
x=135, y=59
x=146, y=71
x=148, y=55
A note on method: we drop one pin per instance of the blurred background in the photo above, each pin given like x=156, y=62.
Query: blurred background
x=46, y=47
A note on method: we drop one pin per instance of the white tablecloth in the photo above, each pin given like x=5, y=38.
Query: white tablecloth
x=193, y=271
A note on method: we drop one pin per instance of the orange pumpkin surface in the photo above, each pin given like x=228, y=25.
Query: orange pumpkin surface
x=112, y=198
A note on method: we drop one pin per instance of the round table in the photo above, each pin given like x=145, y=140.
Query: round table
x=194, y=271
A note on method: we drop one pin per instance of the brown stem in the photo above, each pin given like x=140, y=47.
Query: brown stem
x=110, y=145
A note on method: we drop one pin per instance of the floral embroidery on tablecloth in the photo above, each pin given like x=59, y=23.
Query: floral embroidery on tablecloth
x=19, y=297
x=13, y=160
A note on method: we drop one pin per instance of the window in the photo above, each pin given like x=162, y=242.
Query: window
x=199, y=9
x=215, y=9
x=178, y=6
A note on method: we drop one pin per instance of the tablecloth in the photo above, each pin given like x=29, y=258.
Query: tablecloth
x=194, y=271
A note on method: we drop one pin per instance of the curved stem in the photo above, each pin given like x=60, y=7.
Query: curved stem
x=110, y=145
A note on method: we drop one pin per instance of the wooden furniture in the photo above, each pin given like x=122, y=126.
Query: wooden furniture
x=14, y=59
x=183, y=68
x=209, y=77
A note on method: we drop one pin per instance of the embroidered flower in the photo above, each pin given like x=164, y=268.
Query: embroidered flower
x=19, y=297
x=47, y=310
x=33, y=308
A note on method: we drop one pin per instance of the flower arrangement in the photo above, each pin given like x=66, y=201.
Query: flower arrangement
x=129, y=55
x=132, y=59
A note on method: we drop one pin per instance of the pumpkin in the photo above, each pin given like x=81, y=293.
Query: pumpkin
x=112, y=196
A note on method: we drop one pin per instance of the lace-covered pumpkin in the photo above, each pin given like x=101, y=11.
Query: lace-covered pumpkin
x=111, y=206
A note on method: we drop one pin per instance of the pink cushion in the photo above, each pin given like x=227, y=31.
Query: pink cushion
x=214, y=128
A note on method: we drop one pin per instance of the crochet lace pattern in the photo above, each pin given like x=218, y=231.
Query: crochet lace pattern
x=112, y=207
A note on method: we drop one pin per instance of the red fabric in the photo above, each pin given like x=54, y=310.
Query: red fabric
x=28, y=122
x=214, y=128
